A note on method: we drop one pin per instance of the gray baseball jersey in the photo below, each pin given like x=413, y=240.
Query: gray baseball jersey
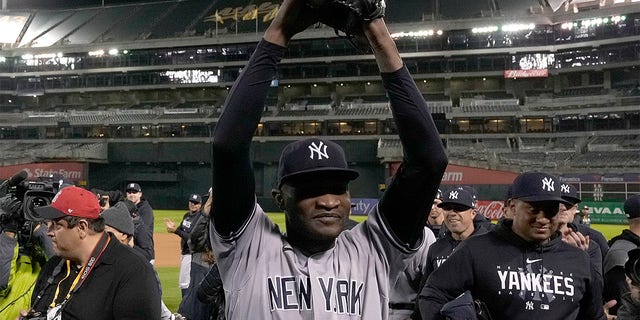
x=265, y=277
x=405, y=291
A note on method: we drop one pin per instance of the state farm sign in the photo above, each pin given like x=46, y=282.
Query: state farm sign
x=461, y=175
x=73, y=171
x=533, y=73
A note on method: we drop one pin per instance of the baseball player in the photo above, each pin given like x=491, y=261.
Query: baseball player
x=315, y=270
x=521, y=269
x=459, y=210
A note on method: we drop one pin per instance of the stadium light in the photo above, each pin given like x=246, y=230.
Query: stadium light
x=416, y=34
x=487, y=29
x=97, y=53
x=517, y=27
x=113, y=52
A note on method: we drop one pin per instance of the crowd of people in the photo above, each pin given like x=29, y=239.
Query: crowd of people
x=423, y=253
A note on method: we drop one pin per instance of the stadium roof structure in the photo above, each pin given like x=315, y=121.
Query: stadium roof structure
x=45, y=24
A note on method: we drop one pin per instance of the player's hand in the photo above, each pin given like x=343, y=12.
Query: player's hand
x=171, y=226
x=608, y=306
x=576, y=239
x=293, y=17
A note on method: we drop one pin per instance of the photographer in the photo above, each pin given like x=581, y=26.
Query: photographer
x=24, y=248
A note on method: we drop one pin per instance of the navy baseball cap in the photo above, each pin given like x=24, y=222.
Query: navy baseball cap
x=457, y=196
x=133, y=186
x=195, y=198
x=632, y=207
x=537, y=186
x=509, y=193
x=313, y=156
x=471, y=190
x=570, y=193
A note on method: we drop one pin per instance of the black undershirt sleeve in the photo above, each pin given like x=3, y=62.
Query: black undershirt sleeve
x=407, y=201
x=233, y=179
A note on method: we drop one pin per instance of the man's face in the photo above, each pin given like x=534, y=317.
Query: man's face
x=64, y=239
x=507, y=211
x=134, y=196
x=317, y=208
x=123, y=238
x=567, y=213
x=194, y=206
x=435, y=210
x=535, y=221
x=459, y=219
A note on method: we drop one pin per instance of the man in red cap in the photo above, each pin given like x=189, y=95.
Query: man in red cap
x=93, y=276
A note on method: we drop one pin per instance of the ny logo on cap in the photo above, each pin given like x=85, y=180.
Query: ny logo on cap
x=547, y=184
x=453, y=195
x=319, y=150
x=131, y=185
x=564, y=188
x=194, y=197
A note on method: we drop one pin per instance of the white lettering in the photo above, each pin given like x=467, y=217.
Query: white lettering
x=548, y=184
x=40, y=172
x=605, y=210
x=503, y=278
x=320, y=150
x=452, y=176
x=535, y=282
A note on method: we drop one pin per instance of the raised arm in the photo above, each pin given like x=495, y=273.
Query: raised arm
x=407, y=201
x=233, y=179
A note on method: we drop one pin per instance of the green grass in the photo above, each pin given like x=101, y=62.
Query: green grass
x=171, y=295
x=610, y=230
x=169, y=275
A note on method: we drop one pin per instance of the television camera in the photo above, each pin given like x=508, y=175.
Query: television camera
x=18, y=199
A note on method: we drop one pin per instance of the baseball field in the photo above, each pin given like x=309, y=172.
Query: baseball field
x=167, y=247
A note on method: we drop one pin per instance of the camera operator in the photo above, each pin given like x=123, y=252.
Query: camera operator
x=24, y=248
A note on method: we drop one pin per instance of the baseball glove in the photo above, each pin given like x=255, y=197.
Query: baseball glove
x=347, y=16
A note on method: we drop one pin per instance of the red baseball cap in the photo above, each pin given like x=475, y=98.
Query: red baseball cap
x=71, y=201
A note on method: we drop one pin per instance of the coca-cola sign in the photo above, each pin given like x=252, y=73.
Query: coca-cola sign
x=531, y=73
x=491, y=209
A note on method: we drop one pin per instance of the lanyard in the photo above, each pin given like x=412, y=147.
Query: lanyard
x=99, y=249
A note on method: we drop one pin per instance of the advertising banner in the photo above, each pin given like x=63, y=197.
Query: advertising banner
x=491, y=209
x=73, y=171
x=532, y=73
x=362, y=206
x=600, y=212
x=461, y=175
x=606, y=212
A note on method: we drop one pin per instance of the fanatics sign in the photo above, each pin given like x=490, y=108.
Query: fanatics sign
x=532, y=73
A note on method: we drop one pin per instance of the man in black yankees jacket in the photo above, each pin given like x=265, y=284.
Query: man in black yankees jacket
x=522, y=269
